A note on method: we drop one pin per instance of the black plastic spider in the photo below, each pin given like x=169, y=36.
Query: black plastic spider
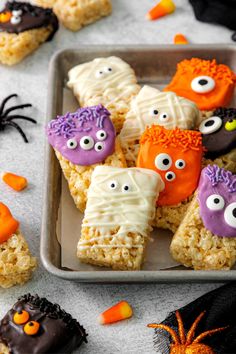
x=7, y=120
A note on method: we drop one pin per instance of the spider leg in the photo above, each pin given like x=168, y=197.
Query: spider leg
x=12, y=124
x=173, y=334
x=21, y=106
x=180, y=327
x=5, y=101
x=9, y=118
x=208, y=333
x=192, y=330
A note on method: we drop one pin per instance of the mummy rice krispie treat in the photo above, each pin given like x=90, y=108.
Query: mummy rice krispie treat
x=16, y=262
x=81, y=141
x=152, y=106
x=108, y=81
x=219, y=138
x=23, y=28
x=37, y=326
x=119, y=211
x=176, y=155
x=208, y=84
x=206, y=238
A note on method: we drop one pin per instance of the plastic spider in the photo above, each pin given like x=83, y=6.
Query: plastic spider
x=7, y=120
x=187, y=344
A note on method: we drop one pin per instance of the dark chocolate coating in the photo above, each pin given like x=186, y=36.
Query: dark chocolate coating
x=58, y=333
x=222, y=141
x=32, y=17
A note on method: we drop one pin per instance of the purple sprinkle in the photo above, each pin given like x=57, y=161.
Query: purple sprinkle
x=219, y=175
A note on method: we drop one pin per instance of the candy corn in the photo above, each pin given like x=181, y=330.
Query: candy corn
x=8, y=225
x=14, y=181
x=163, y=8
x=118, y=312
x=179, y=38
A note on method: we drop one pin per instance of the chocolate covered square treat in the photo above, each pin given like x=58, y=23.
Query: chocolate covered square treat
x=37, y=326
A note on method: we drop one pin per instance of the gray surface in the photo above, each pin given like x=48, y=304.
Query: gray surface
x=29, y=79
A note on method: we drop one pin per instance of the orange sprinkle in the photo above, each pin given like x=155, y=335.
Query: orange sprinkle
x=163, y=8
x=18, y=183
x=179, y=38
x=118, y=312
x=8, y=225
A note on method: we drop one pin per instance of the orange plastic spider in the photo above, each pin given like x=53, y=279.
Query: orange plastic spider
x=187, y=344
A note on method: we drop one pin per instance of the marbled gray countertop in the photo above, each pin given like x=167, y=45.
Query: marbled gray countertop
x=150, y=302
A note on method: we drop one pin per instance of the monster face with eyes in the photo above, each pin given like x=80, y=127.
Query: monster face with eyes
x=85, y=137
x=219, y=132
x=217, y=201
x=208, y=84
x=176, y=155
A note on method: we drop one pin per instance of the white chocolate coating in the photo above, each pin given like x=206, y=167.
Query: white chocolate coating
x=94, y=79
x=131, y=211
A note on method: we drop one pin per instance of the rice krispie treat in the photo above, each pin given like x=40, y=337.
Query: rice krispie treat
x=35, y=325
x=16, y=262
x=45, y=3
x=219, y=138
x=176, y=155
x=208, y=84
x=83, y=140
x=119, y=211
x=152, y=106
x=23, y=28
x=206, y=238
x=108, y=81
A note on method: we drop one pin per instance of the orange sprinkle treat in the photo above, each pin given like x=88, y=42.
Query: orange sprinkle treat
x=8, y=225
x=118, y=312
x=208, y=84
x=179, y=38
x=18, y=183
x=163, y=8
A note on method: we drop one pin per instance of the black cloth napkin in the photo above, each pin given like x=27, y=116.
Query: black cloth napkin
x=220, y=307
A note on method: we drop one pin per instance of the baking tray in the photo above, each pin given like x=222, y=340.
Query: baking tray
x=153, y=65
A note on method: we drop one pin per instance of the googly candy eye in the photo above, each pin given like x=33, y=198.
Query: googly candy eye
x=20, y=317
x=108, y=70
x=99, y=146
x=163, y=162
x=230, y=215
x=113, y=185
x=203, y=84
x=17, y=13
x=15, y=20
x=230, y=125
x=215, y=202
x=99, y=74
x=101, y=135
x=180, y=164
x=210, y=125
x=126, y=188
x=72, y=144
x=170, y=176
x=164, y=117
x=86, y=143
x=154, y=112
x=31, y=328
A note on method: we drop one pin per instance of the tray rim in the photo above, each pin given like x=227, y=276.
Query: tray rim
x=142, y=276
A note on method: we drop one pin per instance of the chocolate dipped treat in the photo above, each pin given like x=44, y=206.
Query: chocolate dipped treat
x=35, y=325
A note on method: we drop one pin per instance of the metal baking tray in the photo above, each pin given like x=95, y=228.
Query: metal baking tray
x=153, y=65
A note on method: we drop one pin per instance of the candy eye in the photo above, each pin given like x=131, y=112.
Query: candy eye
x=230, y=215
x=31, y=328
x=72, y=144
x=230, y=125
x=154, y=112
x=21, y=317
x=170, y=176
x=163, y=162
x=86, y=143
x=126, y=188
x=210, y=125
x=99, y=74
x=108, y=70
x=215, y=202
x=15, y=20
x=113, y=185
x=17, y=13
x=164, y=117
x=180, y=164
x=203, y=84
x=99, y=146
x=101, y=135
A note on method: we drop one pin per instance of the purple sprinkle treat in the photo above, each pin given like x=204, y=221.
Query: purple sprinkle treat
x=85, y=137
x=217, y=201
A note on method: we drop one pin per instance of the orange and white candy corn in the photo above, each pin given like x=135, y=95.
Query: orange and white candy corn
x=163, y=8
x=118, y=312
x=18, y=183
x=179, y=38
